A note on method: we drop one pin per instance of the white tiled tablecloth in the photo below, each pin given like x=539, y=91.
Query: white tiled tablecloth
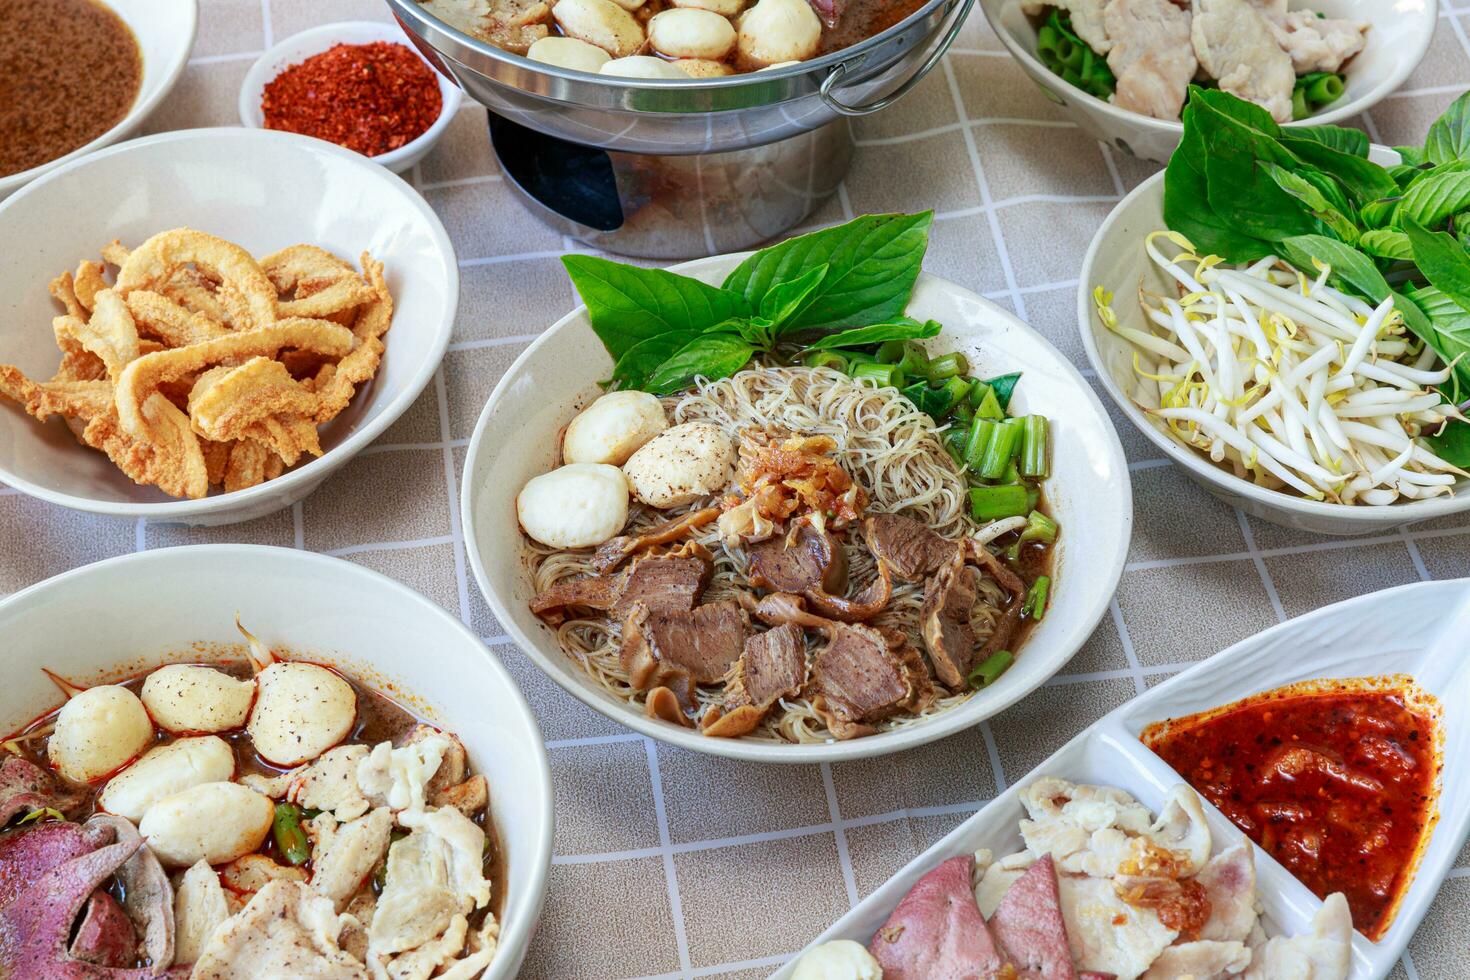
x=671, y=864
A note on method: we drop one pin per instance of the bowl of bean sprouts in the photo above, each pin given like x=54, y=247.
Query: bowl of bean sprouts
x=1277, y=393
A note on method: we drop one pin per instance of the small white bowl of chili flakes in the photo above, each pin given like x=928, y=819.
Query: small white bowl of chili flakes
x=359, y=84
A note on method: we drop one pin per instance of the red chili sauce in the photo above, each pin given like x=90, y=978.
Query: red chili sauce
x=1336, y=780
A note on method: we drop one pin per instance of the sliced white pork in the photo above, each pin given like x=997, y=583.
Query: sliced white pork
x=343, y=855
x=1108, y=935
x=287, y=930
x=1322, y=954
x=1151, y=55
x=199, y=908
x=1087, y=20
x=1236, y=46
x=1229, y=881
x=1320, y=44
x=1202, y=960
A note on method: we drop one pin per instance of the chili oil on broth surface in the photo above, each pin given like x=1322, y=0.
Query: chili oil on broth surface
x=1337, y=780
x=893, y=454
x=380, y=718
x=70, y=70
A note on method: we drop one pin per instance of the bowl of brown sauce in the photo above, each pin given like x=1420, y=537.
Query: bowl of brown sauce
x=80, y=74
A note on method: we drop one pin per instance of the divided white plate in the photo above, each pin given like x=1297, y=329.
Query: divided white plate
x=1415, y=629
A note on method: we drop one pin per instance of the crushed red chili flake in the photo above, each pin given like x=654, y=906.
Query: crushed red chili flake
x=371, y=98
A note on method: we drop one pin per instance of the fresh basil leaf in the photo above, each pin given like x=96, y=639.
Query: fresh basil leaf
x=1409, y=156
x=1237, y=109
x=1384, y=243
x=877, y=333
x=628, y=304
x=934, y=402
x=1310, y=193
x=1238, y=188
x=1364, y=179
x=1433, y=199
x=1449, y=137
x=1379, y=213
x=784, y=301
x=872, y=263
x=1452, y=444
x=1442, y=260
x=712, y=356
x=639, y=361
x=757, y=331
x=1349, y=266
x=1448, y=331
x=1187, y=207
x=1004, y=387
x=1340, y=138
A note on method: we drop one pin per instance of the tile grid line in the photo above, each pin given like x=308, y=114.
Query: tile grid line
x=671, y=873
x=1249, y=536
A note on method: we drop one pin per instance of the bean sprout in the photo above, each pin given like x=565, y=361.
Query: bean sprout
x=1287, y=380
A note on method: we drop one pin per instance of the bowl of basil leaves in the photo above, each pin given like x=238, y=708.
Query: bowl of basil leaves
x=798, y=303
x=1328, y=218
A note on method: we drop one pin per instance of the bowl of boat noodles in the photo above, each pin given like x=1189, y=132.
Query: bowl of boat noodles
x=821, y=507
x=1121, y=69
x=247, y=760
x=1311, y=377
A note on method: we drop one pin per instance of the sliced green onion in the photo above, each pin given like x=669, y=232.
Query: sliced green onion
x=887, y=375
x=994, y=665
x=1046, y=41
x=948, y=366
x=827, y=359
x=961, y=412
x=915, y=363
x=856, y=357
x=1000, y=448
x=1325, y=90
x=981, y=431
x=1035, y=604
x=959, y=391
x=990, y=406
x=1034, y=447
x=995, y=503
x=1299, y=107
x=890, y=352
x=954, y=444
x=290, y=837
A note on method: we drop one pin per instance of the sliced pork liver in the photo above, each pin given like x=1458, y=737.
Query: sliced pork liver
x=1029, y=924
x=944, y=621
x=814, y=559
x=663, y=583
x=682, y=648
x=857, y=679
x=937, y=932
x=772, y=666
x=910, y=548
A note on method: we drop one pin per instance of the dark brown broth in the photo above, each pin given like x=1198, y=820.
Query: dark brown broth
x=69, y=71
x=379, y=719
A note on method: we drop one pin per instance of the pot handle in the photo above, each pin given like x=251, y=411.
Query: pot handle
x=839, y=73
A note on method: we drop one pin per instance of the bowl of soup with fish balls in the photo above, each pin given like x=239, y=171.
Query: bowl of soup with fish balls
x=256, y=759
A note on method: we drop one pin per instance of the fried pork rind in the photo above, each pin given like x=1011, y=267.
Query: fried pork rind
x=202, y=367
x=144, y=375
x=244, y=290
x=319, y=284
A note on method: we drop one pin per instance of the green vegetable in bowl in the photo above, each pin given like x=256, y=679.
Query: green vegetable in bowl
x=1067, y=55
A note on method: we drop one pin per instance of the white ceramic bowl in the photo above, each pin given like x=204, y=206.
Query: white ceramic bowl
x=517, y=437
x=1416, y=629
x=165, y=31
x=122, y=616
x=1402, y=30
x=1116, y=261
x=298, y=47
x=264, y=190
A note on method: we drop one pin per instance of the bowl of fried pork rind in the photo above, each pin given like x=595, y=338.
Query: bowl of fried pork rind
x=201, y=326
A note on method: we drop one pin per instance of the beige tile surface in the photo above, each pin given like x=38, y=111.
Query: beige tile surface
x=669, y=864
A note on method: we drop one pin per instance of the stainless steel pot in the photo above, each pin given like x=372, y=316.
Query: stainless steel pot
x=699, y=115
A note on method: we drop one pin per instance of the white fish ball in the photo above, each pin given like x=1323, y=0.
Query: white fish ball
x=98, y=732
x=725, y=8
x=214, y=822
x=602, y=23
x=681, y=465
x=575, y=506
x=166, y=770
x=301, y=711
x=642, y=66
x=192, y=698
x=779, y=30
x=613, y=427
x=691, y=34
x=568, y=52
x=702, y=68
